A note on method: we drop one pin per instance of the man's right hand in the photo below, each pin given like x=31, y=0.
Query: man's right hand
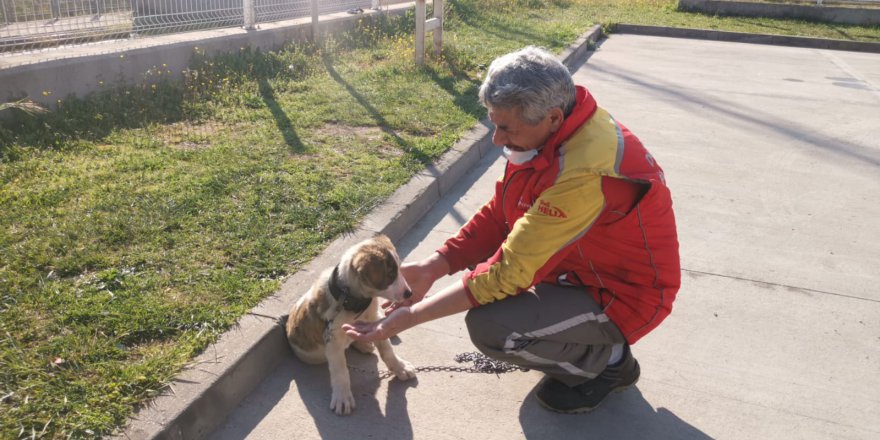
x=420, y=276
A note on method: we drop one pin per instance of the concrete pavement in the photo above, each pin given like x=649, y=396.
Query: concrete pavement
x=773, y=157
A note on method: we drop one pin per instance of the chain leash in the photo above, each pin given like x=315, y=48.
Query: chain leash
x=481, y=364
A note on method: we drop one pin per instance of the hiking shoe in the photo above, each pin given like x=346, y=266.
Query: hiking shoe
x=557, y=396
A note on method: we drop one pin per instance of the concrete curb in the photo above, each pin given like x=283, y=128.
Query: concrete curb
x=864, y=16
x=203, y=395
x=741, y=37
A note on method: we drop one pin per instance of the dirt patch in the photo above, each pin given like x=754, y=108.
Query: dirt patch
x=348, y=131
x=187, y=136
x=343, y=137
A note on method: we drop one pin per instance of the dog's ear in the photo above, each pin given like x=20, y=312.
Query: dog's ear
x=375, y=266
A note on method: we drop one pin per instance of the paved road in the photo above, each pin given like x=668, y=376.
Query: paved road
x=773, y=157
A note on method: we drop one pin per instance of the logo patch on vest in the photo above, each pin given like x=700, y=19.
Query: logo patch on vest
x=549, y=210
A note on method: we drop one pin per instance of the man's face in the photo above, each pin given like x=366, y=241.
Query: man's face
x=517, y=134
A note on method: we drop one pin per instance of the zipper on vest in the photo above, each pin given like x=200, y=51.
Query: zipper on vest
x=504, y=196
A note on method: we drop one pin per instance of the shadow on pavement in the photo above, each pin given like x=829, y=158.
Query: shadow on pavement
x=789, y=129
x=312, y=382
x=625, y=415
x=369, y=419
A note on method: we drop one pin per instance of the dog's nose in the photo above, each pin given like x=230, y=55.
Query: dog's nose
x=407, y=294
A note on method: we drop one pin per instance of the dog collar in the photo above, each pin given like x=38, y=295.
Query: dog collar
x=341, y=294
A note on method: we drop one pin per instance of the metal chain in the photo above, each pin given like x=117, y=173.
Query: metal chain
x=485, y=364
x=481, y=364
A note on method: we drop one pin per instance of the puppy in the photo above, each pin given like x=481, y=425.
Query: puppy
x=343, y=294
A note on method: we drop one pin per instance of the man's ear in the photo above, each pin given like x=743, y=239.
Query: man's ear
x=556, y=118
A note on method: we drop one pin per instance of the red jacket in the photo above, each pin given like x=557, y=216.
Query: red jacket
x=592, y=209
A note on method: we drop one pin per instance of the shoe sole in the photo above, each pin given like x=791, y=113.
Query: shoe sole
x=586, y=409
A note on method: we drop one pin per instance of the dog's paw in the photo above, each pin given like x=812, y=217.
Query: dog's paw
x=342, y=402
x=405, y=371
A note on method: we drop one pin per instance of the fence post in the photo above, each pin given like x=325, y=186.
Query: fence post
x=420, y=31
x=56, y=9
x=8, y=11
x=434, y=25
x=250, y=14
x=438, y=28
x=314, y=21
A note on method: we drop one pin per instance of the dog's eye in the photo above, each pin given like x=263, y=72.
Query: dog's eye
x=392, y=272
x=391, y=269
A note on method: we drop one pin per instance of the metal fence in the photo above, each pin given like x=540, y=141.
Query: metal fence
x=27, y=25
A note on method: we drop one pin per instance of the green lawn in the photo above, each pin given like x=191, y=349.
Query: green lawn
x=139, y=224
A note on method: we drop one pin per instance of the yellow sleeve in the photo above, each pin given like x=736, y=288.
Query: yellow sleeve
x=559, y=217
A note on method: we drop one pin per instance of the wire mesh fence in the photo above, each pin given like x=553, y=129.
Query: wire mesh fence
x=27, y=25
x=32, y=24
x=276, y=10
x=172, y=94
x=152, y=17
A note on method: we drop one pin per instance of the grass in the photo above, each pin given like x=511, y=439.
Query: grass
x=140, y=223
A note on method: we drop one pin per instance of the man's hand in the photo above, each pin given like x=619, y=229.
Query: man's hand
x=448, y=301
x=396, y=322
x=420, y=276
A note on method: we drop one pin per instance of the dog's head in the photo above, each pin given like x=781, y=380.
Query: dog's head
x=372, y=268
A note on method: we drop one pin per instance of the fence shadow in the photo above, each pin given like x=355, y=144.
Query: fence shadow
x=94, y=117
x=465, y=100
x=380, y=120
x=282, y=121
x=508, y=32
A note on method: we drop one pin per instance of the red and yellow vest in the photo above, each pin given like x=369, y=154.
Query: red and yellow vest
x=591, y=209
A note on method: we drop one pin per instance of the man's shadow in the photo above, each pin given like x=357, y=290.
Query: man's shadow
x=625, y=415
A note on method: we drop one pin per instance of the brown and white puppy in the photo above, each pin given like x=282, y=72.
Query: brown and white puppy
x=341, y=295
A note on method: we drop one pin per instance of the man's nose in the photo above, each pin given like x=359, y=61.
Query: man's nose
x=499, y=138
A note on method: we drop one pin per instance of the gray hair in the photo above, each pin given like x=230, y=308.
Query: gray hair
x=532, y=79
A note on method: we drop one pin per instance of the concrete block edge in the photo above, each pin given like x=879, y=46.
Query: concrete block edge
x=743, y=37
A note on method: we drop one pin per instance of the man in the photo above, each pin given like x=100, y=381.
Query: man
x=575, y=257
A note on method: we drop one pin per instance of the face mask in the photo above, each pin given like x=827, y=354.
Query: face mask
x=518, y=157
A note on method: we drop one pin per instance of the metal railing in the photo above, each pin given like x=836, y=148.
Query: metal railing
x=27, y=25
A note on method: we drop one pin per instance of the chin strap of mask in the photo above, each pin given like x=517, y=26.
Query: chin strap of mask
x=518, y=157
x=342, y=294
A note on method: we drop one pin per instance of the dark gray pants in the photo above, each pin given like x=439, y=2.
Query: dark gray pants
x=558, y=330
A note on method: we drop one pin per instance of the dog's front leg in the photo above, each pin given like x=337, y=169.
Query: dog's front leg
x=402, y=369
x=341, y=399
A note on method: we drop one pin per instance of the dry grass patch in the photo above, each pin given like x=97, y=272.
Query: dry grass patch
x=346, y=139
x=191, y=136
x=347, y=132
